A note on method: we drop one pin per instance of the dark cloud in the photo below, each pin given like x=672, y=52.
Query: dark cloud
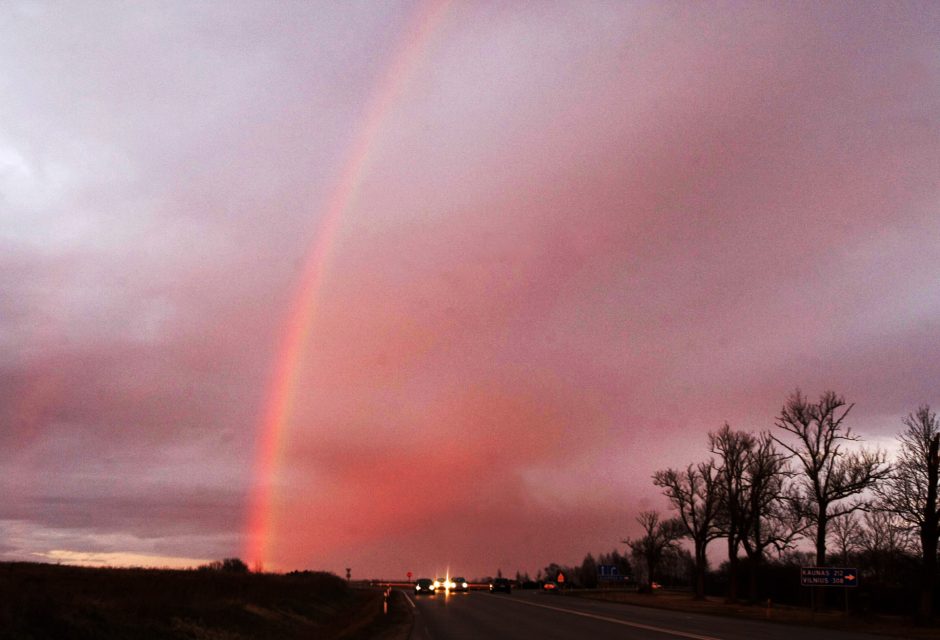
x=155, y=511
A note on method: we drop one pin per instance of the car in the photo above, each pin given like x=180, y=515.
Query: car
x=443, y=583
x=501, y=584
x=424, y=585
x=550, y=586
x=460, y=584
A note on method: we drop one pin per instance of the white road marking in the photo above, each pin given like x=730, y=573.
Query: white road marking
x=410, y=601
x=637, y=625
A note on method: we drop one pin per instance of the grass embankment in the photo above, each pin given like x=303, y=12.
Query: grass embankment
x=47, y=601
x=893, y=626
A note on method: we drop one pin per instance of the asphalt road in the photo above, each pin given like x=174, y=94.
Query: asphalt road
x=524, y=614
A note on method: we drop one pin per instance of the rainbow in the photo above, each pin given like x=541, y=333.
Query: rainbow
x=260, y=524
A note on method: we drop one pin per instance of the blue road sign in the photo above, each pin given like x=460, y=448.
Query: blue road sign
x=608, y=573
x=828, y=577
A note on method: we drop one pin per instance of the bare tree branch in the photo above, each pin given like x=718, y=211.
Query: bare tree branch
x=831, y=475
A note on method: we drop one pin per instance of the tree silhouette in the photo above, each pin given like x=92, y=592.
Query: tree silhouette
x=732, y=448
x=771, y=511
x=831, y=475
x=910, y=492
x=228, y=565
x=694, y=494
x=658, y=537
x=588, y=572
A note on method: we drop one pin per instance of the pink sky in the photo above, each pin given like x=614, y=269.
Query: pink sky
x=584, y=235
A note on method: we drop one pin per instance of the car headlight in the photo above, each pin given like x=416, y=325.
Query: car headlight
x=463, y=584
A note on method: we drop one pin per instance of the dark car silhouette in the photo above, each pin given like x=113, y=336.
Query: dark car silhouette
x=501, y=584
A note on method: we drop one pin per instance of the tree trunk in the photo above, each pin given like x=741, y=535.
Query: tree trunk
x=732, y=570
x=821, y=537
x=929, y=533
x=822, y=522
x=754, y=566
x=928, y=580
x=700, y=564
x=755, y=554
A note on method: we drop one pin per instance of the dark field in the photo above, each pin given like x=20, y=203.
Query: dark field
x=50, y=601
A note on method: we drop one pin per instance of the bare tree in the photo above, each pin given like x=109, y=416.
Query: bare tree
x=658, y=537
x=885, y=543
x=732, y=448
x=910, y=492
x=694, y=495
x=771, y=516
x=845, y=534
x=831, y=475
x=885, y=532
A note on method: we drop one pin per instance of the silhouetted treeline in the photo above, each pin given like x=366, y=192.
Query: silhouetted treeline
x=228, y=565
x=770, y=494
x=580, y=576
x=805, y=482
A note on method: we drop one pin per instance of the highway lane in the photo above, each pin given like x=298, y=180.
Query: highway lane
x=467, y=616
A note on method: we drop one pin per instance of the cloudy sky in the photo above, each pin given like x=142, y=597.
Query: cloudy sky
x=576, y=237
